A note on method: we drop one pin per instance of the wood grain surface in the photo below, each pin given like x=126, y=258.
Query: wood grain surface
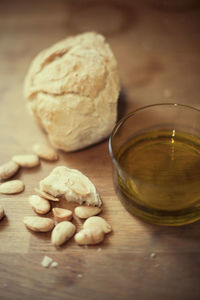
x=157, y=47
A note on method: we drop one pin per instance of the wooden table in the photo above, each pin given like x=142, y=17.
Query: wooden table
x=157, y=47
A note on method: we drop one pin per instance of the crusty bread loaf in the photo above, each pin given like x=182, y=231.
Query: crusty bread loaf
x=72, y=89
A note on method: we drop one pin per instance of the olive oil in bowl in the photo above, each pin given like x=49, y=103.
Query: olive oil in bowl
x=158, y=178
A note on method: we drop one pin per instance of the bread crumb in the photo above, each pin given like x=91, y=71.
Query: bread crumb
x=99, y=249
x=54, y=264
x=80, y=275
x=46, y=261
x=152, y=255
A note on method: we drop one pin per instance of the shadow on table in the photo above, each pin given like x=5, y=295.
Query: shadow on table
x=174, y=239
x=4, y=223
x=122, y=105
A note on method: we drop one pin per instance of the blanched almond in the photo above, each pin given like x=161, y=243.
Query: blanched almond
x=26, y=160
x=85, y=212
x=46, y=195
x=39, y=224
x=2, y=213
x=8, y=170
x=39, y=204
x=12, y=187
x=61, y=214
x=97, y=222
x=45, y=152
x=62, y=232
x=89, y=236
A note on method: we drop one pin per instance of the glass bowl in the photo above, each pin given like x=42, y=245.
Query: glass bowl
x=155, y=152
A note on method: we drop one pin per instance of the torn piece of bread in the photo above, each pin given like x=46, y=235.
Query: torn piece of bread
x=72, y=89
x=71, y=184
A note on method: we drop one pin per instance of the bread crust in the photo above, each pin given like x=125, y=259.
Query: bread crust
x=72, y=89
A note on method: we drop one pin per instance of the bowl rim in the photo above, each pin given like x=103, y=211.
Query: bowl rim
x=132, y=113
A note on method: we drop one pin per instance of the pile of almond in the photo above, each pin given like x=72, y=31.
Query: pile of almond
x=59, y=184
x=62, y=182
x=10, y=168
x=93, y=231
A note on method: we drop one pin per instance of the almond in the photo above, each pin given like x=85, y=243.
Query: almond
x=38, y=224
x=2, y=213
x=26, y=160
x=39, y=205
x=61, y=214
x=62, y=232
x=97, y=222
x=45, y=152
x=46, y=195
x=89, y=236
x=8, y=169
x=12, y=187
x=85, y=212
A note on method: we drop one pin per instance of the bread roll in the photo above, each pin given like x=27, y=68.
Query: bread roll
x=72, y=89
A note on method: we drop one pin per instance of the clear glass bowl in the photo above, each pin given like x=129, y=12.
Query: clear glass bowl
x=155, y=152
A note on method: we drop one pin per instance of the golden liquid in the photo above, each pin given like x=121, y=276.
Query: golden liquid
x=159, y=178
